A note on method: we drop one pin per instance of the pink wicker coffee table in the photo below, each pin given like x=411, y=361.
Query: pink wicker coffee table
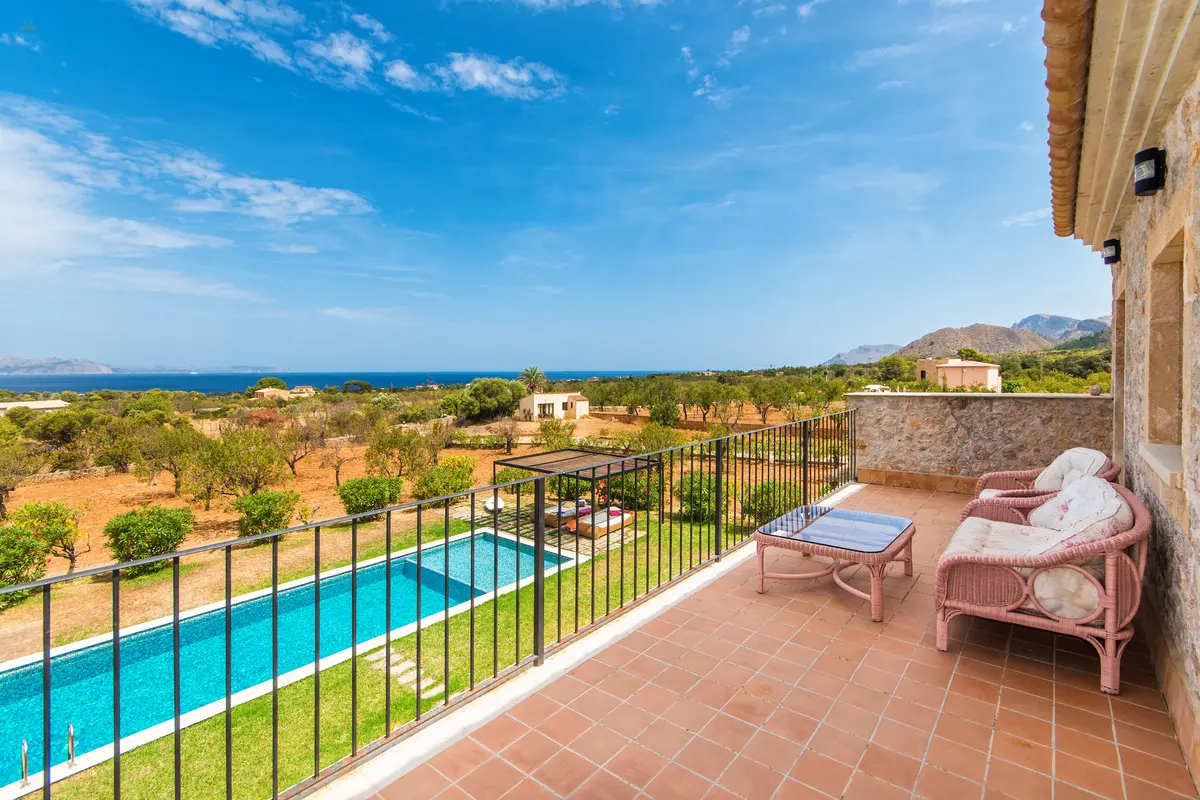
x=848, y=537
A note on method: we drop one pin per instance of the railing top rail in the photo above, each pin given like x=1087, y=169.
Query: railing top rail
x=411, y=505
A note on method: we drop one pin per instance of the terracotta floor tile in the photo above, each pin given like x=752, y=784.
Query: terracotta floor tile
x=534, y=709
x=636, y=764
x=1018, y=782
x=748, y=708
x=1089, y=775
x=773, y=751
x=705, y=758
x=665, y=738
x=728, y=731
x=628, y=720
x=422, y=783
x=901, y=738
x=1140, y=790
x=565, y=772
x=500, y=732
x=604, y=786
x=794, y=727
x=794, y=790
x=1025, y=727
x=677, y=783
x=530, y=751
x=564, y=725
x=936, y=784
x=1166, y=747
x=594, y=704
x=490, y=780
x=838, y=745
x=654, y=699
x=867, y=787
x=1089, y=748
x=890, y=766
x=750, y=779
x=853, y=720
x=711, y=693
x=459, y=759
x=527, y=789
x=1157, y=771
x=821, y=772
x=598, y=744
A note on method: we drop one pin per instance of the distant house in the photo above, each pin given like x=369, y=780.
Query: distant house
x=555, y=405
x=273, y=394
x=35, y=405
x=952, y=373
x=304, y=391
x=876, y=388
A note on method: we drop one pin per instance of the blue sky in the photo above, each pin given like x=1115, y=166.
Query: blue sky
x=485, y=184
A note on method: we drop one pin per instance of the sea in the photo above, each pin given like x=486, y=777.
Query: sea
x=227, y=382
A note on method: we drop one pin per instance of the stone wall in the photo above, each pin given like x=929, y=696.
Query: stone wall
x=946, y=440
x=1152, y=235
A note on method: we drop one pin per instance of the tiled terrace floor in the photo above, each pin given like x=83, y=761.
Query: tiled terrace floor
x=797, y=694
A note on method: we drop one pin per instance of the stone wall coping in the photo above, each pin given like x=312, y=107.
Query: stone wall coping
x=981, y=395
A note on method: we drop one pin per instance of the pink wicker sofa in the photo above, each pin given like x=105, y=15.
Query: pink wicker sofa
x=1004, y=587
x=1047, y=480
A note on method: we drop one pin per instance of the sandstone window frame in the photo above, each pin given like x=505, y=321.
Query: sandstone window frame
x=1161, y=446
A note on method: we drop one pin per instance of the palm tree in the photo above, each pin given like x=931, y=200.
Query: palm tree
x=532, y=378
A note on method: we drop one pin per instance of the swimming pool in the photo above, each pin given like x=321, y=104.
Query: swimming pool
x=82, y=680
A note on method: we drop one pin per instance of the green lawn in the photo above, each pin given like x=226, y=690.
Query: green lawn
x=147, y=772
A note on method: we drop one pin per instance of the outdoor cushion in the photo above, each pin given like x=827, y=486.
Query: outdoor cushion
x=986, y=493
x=1088, y=510
x=1076, y=463
x=979, y=536
x=1066, y=592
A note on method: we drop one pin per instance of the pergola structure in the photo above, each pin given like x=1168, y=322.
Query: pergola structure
x=586, y=465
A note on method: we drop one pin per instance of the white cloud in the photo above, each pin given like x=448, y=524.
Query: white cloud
x=249, y=24
x=907, y=188
x=951, y=3
x=372, y=25
x=165, y=281
x=686, y=53
x=737, y=41
x=1026, y=219
x=558, y=5
x=879, y=55
x=891, y=84
x=16, y=40
x=293, y=249
x=365, y=316
x=612, y=110
x=416, y=112
x=768, y=11
x=516, y=79
x=1026, y=126
x=401, y=73
x=805, y=10
x=340, y=56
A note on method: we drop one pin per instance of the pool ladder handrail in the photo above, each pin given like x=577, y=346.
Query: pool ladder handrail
x=24, y=762
x=70, y=745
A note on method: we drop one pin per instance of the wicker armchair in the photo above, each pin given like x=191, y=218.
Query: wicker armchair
x=1001, y=587
x=1023, y=480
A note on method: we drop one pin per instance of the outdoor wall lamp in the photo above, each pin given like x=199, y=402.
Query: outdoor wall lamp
x=1111, y=251
x=1149, y=171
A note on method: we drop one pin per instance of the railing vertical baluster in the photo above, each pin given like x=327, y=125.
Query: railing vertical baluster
x=594, y=517
x=804, y=463
x=317, y=651
x=446, y=605
x=670, y=520
x=175, y=683
x=539, y=572
x=662, y=497
x=228, y=672
x=354, y=636
x=691, y=476
x=274, y=666
x=420, y=591
x=576, y=563
x=558, y=534
x=517, y=636
x=387, y=625
x=472, y=600
x=46, y=692
x=637, y=501
x=719, y=469
x=608, y=549
x=496, y=582
x=116, y=659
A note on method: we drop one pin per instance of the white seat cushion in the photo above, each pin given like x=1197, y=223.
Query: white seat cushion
x=1076, y=463
x=1066, y=592
x=986, y=537
x=986, y=493
x=1088, y=510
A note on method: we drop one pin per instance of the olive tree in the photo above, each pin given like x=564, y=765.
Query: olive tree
x=57, y=525
x=168, y=449
x=395, y=452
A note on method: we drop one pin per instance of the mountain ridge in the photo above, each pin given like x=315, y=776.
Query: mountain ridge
x=863, y=354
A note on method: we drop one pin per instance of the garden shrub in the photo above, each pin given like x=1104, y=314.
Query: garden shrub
x=697, y=493
x=510, y=474
x=56, y=524
x=22, y=558
x=637, y=492
x=665, y=414
x=369, y=494
x=771, y=499
x=265, y=511
x=147, y=532
x=565, y=488
x=455, y=474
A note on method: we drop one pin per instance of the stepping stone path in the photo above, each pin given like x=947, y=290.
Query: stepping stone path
x=404, y=672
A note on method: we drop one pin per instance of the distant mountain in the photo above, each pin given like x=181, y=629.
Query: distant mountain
x=990, y=339
x=863, y=354
x=13, y=365
x=1064, y=328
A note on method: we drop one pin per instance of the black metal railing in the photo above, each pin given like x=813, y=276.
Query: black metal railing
x=322, y=643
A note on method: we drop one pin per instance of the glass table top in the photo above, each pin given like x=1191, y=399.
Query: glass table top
x=860, y=531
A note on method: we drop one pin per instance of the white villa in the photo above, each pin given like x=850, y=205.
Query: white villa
x=553, y=405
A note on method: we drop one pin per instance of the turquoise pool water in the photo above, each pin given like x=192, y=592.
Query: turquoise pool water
x=82, y=681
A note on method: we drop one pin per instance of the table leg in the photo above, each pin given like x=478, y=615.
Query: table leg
x=761, y=566
x=908, y=558
x=877, y=591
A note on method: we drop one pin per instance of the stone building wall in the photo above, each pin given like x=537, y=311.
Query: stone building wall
x=1173, y=585
x=946, y=440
